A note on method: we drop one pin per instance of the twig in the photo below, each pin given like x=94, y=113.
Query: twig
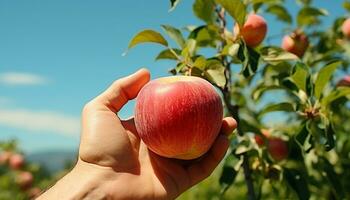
x=234, y=109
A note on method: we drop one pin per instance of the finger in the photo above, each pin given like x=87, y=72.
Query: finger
x=124, y=89
x=228, y=125
x=202, y=169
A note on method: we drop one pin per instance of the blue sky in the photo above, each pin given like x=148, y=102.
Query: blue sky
x=57, y=55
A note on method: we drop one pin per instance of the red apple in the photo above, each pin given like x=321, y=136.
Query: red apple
x=345, y=81
x=277, y=148
x=24, y=179
x=5, y=157
x=295, y=43
x=16, y=161
x=179, y=116
x=253, y=31
x=260, y=139
x=346, y=28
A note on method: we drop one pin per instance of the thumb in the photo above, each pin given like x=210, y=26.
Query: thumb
x=124, y=89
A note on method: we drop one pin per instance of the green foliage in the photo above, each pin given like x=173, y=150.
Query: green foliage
x=147, y=36
x=236, y=8
x=10, y=188
x=313, y=115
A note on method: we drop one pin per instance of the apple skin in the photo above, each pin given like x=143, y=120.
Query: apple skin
x=260, y=139
x=253, y=31
x=346, y=28
x=345, y=81
x=16, y=161
x=277, y=148
x=24, y=179
x=179, y=116
x=295, y=43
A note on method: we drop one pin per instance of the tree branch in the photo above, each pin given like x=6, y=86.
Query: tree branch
x=233, y=109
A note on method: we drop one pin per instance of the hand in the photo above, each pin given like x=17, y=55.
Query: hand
x=115, y=164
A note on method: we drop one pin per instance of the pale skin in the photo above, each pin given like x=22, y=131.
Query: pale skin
x=114, y=163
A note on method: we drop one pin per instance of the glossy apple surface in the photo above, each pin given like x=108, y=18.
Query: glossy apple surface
x=346, y=28
x=16, y=161
x=253, y=31
x=345, y=81
x=179, y=116
x=295, y=43
x=277, y=148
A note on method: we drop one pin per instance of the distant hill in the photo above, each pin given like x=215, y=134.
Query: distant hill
x=54, y=161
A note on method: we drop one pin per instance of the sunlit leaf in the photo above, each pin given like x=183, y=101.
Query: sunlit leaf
x=204, y=10
x=216, y=73
x=175, y=34
x=286, y=107
x=346, y=5
x=338, y=93
x=257, y=93
x=280, y=12
x=167, y=54
x=236, y=8
x=309, y=16
x=300, y=75
x=147, y=36
x=173, y=4
x=274, y=55
x=324, y=76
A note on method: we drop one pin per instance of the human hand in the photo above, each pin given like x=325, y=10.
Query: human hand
x=114, y=163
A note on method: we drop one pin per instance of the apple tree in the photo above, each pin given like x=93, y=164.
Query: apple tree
x=293, y=114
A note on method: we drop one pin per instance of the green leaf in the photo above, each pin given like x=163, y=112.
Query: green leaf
x=173, y=4
x=346, y=5
x=274, y=55
x=253, y=57
x=309, y=16
x=251, y=61
x=189, y=49
x=200, y=62
x=302, y=136
x=300, y=75
x=175, y=34
x=147, y=36
x=257, y=93
x=227, y=177
x=287, y=107
x=216, y=73
x=236, y=8
x=297, y=181
x=167, y=54
x=330, y=134
x=205, y=35
x=333, y=178
x=230, y=49
x=204, y=10
x=340, y=92
x=323, y=77
x=280, y=12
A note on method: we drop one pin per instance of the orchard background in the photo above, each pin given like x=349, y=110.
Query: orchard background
x=291, y=100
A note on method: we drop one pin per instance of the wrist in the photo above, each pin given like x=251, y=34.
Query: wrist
x=84, y=181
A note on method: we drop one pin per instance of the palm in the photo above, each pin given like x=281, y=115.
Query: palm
x=121, y=148
x=114, y=145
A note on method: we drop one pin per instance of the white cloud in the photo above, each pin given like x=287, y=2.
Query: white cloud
x=43, y=121
x=19, y=78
